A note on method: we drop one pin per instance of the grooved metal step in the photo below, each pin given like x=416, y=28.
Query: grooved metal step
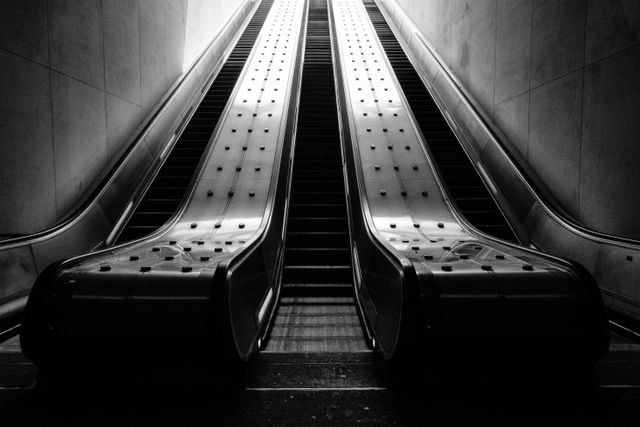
x=317, y=314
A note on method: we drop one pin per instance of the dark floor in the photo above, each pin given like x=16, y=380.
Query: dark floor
x=615, y=401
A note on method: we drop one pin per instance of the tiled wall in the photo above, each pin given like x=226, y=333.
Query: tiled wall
x=562, y=79
x=77, y=77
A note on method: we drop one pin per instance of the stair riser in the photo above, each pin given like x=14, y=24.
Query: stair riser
x=317, y=257
x=317, y=240
x=318, y=210
x=328, y=275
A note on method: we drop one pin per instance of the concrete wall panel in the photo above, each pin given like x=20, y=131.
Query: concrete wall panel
x=122, y=49
x=180, y=6
x=513, y=40
x=458, y=38
x=123, y=117
x=174, y=43
x=27, y=200
x=555, y=130
x=612, y=26
x=23, y=29
x=512, y=116
x=79, y=138
x=482, y=51
x=557, y=39
x=610, y=181
x=152, y=54
x=75, y=40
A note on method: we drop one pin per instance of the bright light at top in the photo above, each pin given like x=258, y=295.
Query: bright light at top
x=203, y=21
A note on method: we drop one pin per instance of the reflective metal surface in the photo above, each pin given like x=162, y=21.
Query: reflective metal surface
x=22, y=259
x=463, y=276
x=613, y=261
x=229, y=205
x=252, y=278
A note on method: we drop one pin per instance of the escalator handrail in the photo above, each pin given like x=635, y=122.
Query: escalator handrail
x=496, y=138
x=85, y=207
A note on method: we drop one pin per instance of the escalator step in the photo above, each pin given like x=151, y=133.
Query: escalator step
x=317, y=311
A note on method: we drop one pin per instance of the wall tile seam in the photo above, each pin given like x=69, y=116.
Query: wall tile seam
x=612, y=54
x=555, y=79
x=531, y=17
x=104, y=76
x=139, y=104
x=49, y=70
x=78, y=199
x=140, y=54
x=184, y=17
x=583, y=68
x=18, y=54
x=164, y=52
x=103, y=57
x=579, y=209
x=495, y=56
x=511, y=98
x=77, y=80
x=53, y=147
x=453, y=16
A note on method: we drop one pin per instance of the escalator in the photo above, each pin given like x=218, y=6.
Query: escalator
x=462, y=180
x=437, y=286
x=316, y=325
x=172, y=285
x=170, y=184
x=530, y=206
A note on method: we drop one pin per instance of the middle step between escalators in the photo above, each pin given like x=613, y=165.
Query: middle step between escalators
x=317, y=338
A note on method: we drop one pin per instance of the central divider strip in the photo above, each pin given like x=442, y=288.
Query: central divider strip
x=316, y=340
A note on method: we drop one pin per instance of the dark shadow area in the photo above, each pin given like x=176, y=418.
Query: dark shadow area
x=482, y=399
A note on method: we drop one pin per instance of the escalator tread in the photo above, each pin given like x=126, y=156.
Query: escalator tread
x=317, y=311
